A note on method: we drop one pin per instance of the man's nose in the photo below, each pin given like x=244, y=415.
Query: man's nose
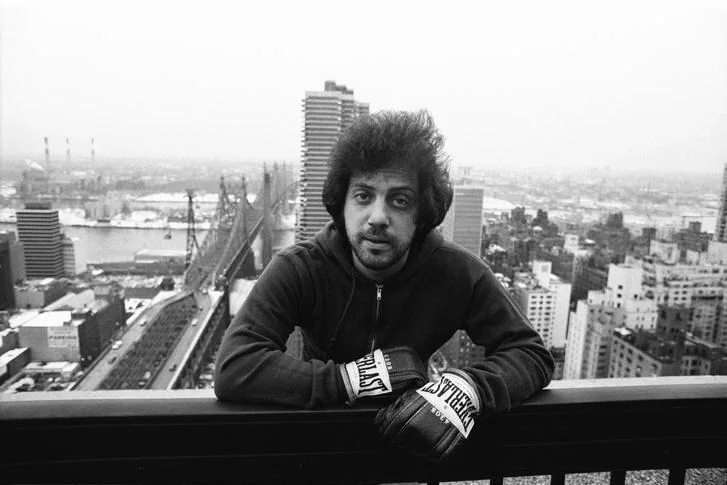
x=379, y=215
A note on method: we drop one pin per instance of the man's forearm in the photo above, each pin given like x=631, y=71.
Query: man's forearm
x=508, y=377
x=251, y=369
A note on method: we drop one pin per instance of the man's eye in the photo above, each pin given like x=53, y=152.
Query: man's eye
x=400, y=202
x=362, y=197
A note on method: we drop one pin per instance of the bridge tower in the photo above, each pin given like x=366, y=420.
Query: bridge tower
x=267, y=220
x=191, y=235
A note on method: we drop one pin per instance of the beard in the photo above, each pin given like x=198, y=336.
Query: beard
x=378, y=251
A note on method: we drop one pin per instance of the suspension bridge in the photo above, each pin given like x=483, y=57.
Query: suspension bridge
x=183, y=332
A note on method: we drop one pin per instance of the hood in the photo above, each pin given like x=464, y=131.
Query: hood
x=335, y=246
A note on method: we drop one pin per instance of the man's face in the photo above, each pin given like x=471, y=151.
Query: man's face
x=380, y=214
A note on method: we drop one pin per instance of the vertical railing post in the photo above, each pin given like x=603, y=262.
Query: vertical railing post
x=618, y=477
x=677, y=476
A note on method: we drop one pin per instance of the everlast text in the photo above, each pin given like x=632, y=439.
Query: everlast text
x=370, y=381
x=455, y=398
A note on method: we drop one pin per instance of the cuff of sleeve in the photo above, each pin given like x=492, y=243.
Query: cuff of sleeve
x=469, y=381
x=345, y=383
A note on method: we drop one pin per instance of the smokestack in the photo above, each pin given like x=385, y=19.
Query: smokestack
x=68, y=150
x=47, y=154
x=93, y=153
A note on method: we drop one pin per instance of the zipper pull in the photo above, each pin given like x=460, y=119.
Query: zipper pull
x=379, y=288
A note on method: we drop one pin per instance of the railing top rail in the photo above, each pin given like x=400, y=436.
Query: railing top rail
x=187, y=436
x=145, y=403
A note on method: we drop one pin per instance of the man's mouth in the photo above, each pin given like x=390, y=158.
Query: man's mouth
x=376, y=240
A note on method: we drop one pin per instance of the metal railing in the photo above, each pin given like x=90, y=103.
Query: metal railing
x=188, y=437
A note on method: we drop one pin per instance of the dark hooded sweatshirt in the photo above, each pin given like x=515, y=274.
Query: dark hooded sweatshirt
x=343, y=315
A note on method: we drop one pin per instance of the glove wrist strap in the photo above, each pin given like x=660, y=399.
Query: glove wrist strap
x=468, y=380
x=347, y=384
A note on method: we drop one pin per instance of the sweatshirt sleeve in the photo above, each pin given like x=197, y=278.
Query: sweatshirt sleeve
x=517, y=364
x=251, y=363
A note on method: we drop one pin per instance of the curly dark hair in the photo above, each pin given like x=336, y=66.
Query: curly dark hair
x=408, y=140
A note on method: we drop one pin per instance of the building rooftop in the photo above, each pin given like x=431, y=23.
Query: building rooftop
x=21, y=318
x=11, y=354
x=160, y=253
x=52, y=319
x=43, y=367
x=39, y=285
x=72, y=301
x=700, y=341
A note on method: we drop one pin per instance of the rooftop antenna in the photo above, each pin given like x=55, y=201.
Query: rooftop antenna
x=93, y=153
x=68, y=150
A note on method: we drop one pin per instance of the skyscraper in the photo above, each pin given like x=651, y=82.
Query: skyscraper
x=545, y=300
x=326, y=114
x=463, y=223
x=7, y=295
x=72, y=261
x=720, y=231
x=39, y=229
x=17, y=258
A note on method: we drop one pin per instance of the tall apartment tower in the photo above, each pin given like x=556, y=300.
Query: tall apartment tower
x=463, y=225
x=7, y=293
x=17, y=258
x=545, y=300
x=590, y=337
x=463, y=222
x=73, y=262
x=39, y=229
x=326, y=114
x=720, y=231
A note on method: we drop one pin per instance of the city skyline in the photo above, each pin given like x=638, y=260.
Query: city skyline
x=632, y=86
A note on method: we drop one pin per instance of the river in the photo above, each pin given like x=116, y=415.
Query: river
x=113, y=244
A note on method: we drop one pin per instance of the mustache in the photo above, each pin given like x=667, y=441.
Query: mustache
x=373, y=234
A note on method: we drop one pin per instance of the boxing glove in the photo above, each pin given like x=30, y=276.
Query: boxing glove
x=383, y=374
x=435, y=420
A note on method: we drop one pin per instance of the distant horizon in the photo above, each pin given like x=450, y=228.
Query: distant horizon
x=59, y=162
x=521, y=85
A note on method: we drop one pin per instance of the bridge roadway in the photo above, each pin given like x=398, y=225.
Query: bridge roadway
x=169, y=373
x=134, y=332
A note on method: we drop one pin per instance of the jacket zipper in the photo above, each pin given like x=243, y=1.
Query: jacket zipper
x=379, y=289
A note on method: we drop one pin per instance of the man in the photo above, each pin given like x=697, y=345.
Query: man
x=376, y=293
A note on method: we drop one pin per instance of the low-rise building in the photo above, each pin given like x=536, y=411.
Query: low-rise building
x=12, y=362
x=8, y=340
x=668, y=351
x=74, y=335
x=39, y=293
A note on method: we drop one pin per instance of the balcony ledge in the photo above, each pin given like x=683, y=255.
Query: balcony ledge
x=186, y=437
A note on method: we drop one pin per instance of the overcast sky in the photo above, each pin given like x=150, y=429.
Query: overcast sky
x=634, y=84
